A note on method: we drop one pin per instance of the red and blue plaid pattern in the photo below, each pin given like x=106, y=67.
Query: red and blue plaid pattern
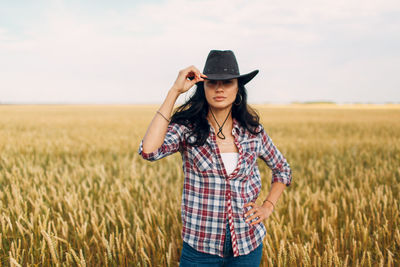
x=210, y=197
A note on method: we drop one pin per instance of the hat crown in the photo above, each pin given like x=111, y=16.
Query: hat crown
x=221, y=62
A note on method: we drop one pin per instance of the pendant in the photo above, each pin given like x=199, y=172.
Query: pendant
x=220, y=132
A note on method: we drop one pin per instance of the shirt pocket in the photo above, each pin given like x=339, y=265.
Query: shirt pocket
x=204, y=158
x=249, y=148
x=249, y=159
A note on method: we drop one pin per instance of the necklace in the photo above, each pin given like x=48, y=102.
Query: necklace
x=220, y=126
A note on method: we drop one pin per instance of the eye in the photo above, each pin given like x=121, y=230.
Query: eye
x=228, y=81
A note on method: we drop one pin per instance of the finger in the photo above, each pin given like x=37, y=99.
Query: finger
x=196, y=70
x=257, y=221
x=194, y=79
x=249, y=204
x=193, y=70
x=190, y=75
x=252, y=217
x=251, y=211
x=195, y=75
x=199, y=78
x=256, y=214
x=198, y=74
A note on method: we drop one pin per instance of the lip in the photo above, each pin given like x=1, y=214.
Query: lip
x=219, y=98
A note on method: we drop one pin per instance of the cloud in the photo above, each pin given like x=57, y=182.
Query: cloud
x=307, y=51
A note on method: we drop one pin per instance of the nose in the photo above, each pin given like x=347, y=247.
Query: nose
x=220, y=85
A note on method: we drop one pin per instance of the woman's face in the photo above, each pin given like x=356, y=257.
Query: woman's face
x=220, y=94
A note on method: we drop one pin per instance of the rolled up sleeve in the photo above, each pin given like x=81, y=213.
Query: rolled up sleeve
x=173, y=141
x=281, y=171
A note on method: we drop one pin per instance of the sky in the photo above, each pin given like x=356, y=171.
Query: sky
x=130, y=52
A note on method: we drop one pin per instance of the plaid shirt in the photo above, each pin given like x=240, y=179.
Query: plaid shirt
x=211, y=197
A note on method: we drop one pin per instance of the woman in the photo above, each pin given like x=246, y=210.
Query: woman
x=219, y=137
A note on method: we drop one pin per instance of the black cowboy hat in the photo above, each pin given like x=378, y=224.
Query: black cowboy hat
x=222, y=65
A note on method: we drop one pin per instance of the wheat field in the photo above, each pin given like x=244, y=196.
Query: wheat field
x=75, y=192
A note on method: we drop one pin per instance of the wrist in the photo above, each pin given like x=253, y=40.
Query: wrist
x=268, y=204
x=175, y=91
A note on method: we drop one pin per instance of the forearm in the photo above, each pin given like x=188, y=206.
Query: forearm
x=157, y=129
x=274, y=194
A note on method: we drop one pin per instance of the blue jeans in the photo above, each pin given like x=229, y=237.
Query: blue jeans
x=193, y=258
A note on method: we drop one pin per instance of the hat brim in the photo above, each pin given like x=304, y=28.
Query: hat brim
x=243, y=79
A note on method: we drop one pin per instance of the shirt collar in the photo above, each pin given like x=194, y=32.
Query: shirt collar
x=236, y=125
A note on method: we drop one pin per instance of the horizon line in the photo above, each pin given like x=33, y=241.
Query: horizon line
x=158, y=103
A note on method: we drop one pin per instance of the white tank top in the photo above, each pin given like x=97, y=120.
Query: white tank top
x=230, y=160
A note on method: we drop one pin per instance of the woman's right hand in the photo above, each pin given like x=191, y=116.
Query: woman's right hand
x=182, y=83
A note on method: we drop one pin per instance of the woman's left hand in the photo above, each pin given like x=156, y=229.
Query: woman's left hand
x=262, y=212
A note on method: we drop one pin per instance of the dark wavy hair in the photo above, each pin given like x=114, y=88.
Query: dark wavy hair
x=193, y=114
